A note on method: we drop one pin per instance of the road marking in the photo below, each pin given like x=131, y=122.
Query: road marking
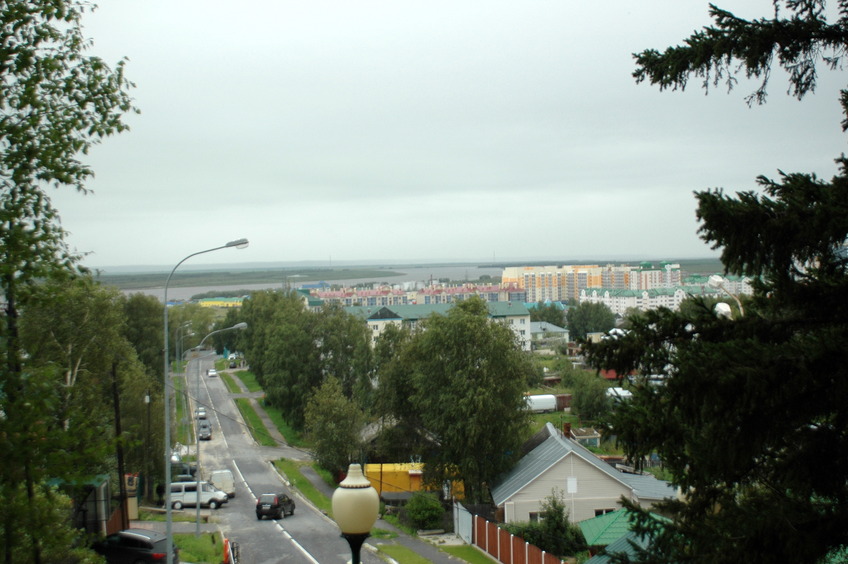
x=296, y=544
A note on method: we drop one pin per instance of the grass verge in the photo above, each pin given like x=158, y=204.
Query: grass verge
x=291, y=469
x=254, y=423
x=402, y=555
x=292, y=437
x=467, y=553
x=230, y=383
x=249, y=380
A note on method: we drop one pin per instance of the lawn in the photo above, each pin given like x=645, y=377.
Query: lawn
x=208, y=548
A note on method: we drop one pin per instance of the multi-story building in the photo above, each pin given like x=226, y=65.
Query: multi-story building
x=559, y=283
x=619, y=301
x=370, y=297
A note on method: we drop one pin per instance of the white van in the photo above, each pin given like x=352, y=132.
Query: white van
x=184, y=494
x=223, y=480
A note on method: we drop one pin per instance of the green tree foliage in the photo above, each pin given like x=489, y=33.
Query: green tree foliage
x=465, y=378
x=590, y=401
x=143, y=329
x=401, y=436
x=333, y=423
x=424, y=511
x=553, y=533
x=292, y=350
x=751, y=422
x=549, y=312
x=589, y=317
x=57, y=102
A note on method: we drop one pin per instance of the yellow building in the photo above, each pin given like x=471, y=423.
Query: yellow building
x=401, y=480
x=220, y=302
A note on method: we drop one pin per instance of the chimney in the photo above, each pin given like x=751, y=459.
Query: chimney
x=566, y=430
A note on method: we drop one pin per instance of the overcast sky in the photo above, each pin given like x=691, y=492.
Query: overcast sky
x=422, y=131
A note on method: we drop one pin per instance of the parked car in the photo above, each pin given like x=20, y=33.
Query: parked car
x=183, y=468
x=223, y=480
x=204, y=430
x=135, y=546
x=274, y=505
x=184, y=494
x=233, y=364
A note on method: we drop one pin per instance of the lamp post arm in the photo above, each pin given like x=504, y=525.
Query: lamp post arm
x=238, y=243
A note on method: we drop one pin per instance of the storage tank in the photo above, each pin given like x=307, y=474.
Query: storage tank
x=541, y=403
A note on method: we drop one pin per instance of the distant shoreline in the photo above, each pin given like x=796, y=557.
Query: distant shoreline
x=185, y=284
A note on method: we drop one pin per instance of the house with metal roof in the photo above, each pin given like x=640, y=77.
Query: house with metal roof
x=591, y=487
x=512, y=314
x=546, y=335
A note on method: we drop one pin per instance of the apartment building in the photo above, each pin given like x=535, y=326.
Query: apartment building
x=559, y=283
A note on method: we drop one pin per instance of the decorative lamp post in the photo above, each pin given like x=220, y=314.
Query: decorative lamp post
x=169, y=518
x=356, y=506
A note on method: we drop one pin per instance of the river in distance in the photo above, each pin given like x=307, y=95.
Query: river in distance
x=417, y=274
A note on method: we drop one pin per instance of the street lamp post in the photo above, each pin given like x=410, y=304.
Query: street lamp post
x=237, y=327
x=356, y=506
x=717, y=282
x=169, y=523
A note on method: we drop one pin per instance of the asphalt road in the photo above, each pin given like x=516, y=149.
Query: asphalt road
x=308, y=536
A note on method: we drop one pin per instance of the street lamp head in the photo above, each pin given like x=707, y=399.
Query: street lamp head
x=238, y=243
x=356, y=504
x=721, y=309
x=715, y=281
x=240, y=326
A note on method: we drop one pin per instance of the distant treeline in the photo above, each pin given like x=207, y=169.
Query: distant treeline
x=145, y=280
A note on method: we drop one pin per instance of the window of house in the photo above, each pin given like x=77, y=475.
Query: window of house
x=534, y=517
x=599, y=512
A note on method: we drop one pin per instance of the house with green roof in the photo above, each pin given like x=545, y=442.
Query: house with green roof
x=514, y=315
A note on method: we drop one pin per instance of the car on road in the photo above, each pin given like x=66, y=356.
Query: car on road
x=274, y=505
x=212, y=373
x=185, y=494
x=204, y=430
x=200, y=412
x=135, y=546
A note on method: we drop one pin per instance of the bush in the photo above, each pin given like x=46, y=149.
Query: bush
x=424, y=511
x=554, y=533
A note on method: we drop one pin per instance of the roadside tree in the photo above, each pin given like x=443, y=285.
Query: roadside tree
x=333, y=423
x=57, y=104
x=466, y=380
x=751, y=421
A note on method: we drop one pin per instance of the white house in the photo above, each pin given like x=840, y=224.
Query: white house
x=591, y=487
